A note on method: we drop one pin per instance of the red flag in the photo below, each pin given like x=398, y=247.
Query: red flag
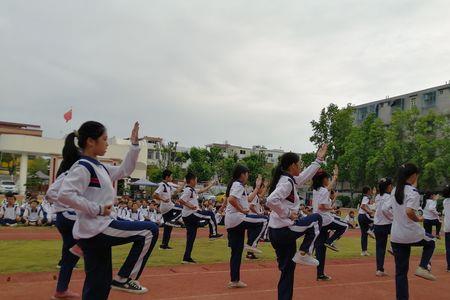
x=68, y=116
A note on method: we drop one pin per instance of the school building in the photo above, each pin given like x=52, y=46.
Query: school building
x=435, y=99
x=25, y=140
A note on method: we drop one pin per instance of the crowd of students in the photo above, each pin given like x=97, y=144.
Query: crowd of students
x=81, y=204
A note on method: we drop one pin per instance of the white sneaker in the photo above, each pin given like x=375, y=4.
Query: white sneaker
x=381, y=274
x=365, y=253
x=305, y=259
x=252, y=249
x=236, y=284
x=371, y=234
x=425, y=274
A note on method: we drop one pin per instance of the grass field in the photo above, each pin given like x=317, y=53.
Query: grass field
x=39, y=256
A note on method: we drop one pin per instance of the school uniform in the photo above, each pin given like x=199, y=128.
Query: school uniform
x=382, y=227
x=33, y=216
x=87, y=188
x=136, y=216
x=329, y=223
x=9, y=214
x=192, y=218
x=446, y=204
x=365, y=223
x=236, y=224
x=405, y=234
x=123, y=214
x=170, y=212
x=431, y=217
x=284, y=232
x=260, y=218
x=65, y=220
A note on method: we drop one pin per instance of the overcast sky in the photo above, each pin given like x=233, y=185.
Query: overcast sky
x=246, y=72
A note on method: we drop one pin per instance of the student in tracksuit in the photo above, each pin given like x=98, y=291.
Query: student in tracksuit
x=365, y=220
x=382, y=222
x=33, y=215
x=446, y=203
x=322, y=203
x=285, y=226
x=238, y=220
x=88, y=188
x=170, y=213
x=430, y=214
x=406, y=231
x=192, y=215
x=256, y=209
x=10, y=211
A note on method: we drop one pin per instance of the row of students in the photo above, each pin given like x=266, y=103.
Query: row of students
x=30, y=213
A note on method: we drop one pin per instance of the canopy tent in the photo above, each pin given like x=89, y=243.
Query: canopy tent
x=144, y=182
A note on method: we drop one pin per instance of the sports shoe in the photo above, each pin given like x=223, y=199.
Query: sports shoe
x=215, y=236
x=331, y=246
x=323, y=278
x=65, y=295
x=305, y=259
x=129, y=286
x=251, y=255
x=381, y=274
x=425, y=274
x=370, y=233
x=164, y=247
x=390, y=251
x=172, y=224
x=438, y=237
x=188, y=261
x=76, y=250
x=365, y=253
x=236, y=284
x=252, y=249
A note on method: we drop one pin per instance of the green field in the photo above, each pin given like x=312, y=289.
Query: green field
x=38, y=256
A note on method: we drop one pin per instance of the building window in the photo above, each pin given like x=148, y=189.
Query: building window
x=362, y=113
x=441, y=92
x=397, y=104
x=242, y=152
x=157, y=155
x=412, y=101
x=429, y=100
x=150, y=153
x=269, y=155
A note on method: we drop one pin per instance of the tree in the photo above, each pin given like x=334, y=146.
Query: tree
x=257, y=165
x=333, y=126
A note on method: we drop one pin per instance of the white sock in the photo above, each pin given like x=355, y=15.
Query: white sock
x=120, y=279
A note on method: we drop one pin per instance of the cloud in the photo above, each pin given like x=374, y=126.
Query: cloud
x=249, y=72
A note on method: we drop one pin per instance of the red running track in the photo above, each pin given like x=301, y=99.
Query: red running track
x=352, y=279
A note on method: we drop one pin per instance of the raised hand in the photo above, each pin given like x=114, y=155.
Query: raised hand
x=321, y=153
x=134, y=138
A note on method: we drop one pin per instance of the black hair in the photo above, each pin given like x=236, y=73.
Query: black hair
x=318, y=179
x=446, y=192
x=166, y=173
x=71, y=153
x=427, y=195
x=189, y=176
x=383, y=184
x=403, y=173
x=286, y=160
x=237, y=172
x=10, y=195
x=365, y=190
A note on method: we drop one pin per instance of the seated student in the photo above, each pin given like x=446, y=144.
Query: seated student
x=144, y=209
x=351, y=220
x=123, y=214
x=33, y=214
x=10, y=212
x=135, y=213
x=49, y=215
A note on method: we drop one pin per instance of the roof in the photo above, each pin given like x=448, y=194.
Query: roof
x=19, y=125
x=440, y=87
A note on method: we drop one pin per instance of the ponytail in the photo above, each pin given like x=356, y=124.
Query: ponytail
x=237, y=172
x=383, y=184
x=71, y=153
x=286, y=160
x=426, y=196
x=403, y=174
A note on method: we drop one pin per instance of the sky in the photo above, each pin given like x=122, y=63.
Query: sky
x=197, y=72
